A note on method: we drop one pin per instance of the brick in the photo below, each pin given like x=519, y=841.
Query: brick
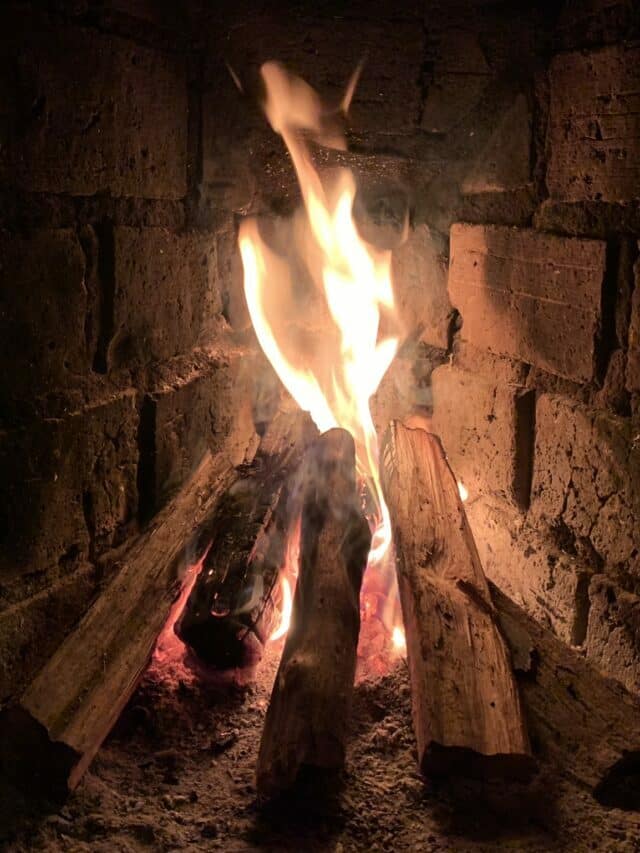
x=450, y=100
x=387, y=98
x=31, y=631
x=597, y=219
x=420, y=287
x=497, y=368
x=633, y=355
x=461, y=77
x=529, y=295
x=231, y=171
x=613, y=633
x=167, y=295
x=594, y=125
x=209, y=409
x=587, y=479
x=585, y=23
x=231, y=277
x=244, y=165
x=480, y=424
x=106, y=115
x=164, y=15
x=613, y=395
x=68, y=485
x=504, y=163
x=487, y=123
x=397, y=395
x=43, y=305
x=548, y=583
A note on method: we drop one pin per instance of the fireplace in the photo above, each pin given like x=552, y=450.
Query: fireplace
x=154, y=520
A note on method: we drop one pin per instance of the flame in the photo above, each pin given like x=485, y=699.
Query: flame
x=398, y=639
x=334, y=373
x=169, y=646
x=462, y=491
x=287, y=580
x=285, y=610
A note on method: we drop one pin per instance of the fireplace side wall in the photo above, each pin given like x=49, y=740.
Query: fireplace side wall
x=539, y=405
x=120, y=364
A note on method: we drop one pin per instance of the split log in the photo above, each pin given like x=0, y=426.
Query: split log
x=306, y=722
x=50, y=736
x=586, y=724
x=233, y=606
x=466, y=707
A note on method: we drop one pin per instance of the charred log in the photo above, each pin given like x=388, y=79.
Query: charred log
x=305, y=726
x=50, y=736
x=466, y=707
x=233, y=607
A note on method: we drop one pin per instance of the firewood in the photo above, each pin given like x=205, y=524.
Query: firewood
x=233, y=606
x=466, y=707
x=306, y=722
x=50, y=736
x=584, y=723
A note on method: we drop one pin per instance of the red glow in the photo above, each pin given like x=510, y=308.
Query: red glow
x=169, y=646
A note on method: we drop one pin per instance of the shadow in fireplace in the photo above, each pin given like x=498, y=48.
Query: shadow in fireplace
x=493, y=811
x=310, y=814
x=620, y=789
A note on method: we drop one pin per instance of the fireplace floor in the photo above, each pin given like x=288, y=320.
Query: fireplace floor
x=177, y=773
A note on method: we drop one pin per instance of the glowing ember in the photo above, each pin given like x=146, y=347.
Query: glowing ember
x=335, y=363
x=169, y=646
x=462, y=490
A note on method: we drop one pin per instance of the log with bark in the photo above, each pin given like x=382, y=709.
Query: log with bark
x=48, y=738
x=584, y=723
x=466, y=707
x=305, y=725
x=234, y=604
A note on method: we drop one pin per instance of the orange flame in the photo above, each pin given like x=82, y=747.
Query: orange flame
x=286, y=609
x=336, y=371
x=287, y=580
x=317, y=294
x=398, y=639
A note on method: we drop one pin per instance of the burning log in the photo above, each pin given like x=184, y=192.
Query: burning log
x=49, y=738
x=233, y=608
x=307, y=717
x=466, y=708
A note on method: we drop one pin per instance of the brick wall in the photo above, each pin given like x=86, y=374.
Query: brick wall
x=506, y=136
x=120, y=366
x=538, y=403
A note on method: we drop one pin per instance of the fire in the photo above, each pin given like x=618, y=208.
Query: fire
x=398, y=639
x=333, y=368
x=287, y=607
x=287, y=580
x=169, y=647
x=462, y=491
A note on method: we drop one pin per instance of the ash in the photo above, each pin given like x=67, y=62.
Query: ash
x=177, y=773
